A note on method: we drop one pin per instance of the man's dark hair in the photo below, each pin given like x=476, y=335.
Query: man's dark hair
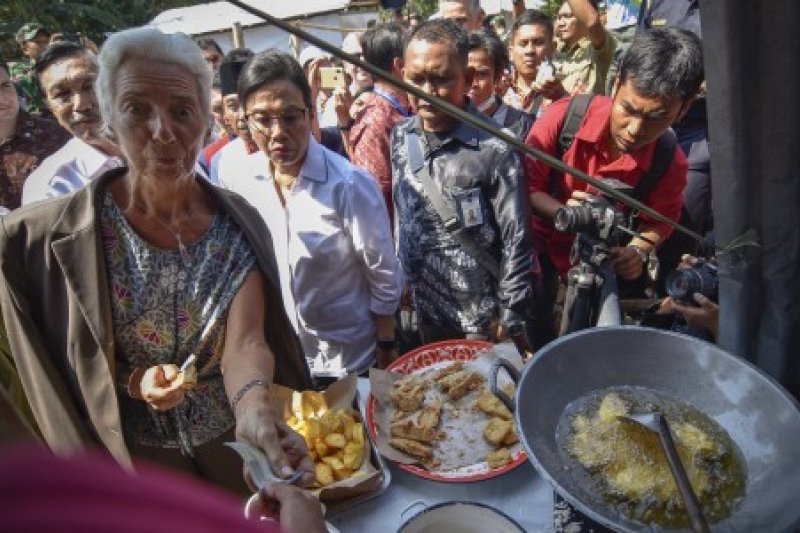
x=382, y=44
x=664, y=63
x=4, y=66
x=206, y=42
x=443, y=31
x=269, y=67
x=494, y=47
x=55, y=53
x=532, y=17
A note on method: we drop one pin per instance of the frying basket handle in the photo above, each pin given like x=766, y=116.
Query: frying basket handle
x=513, y=373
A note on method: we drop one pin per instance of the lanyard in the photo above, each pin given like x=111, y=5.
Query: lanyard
x=392, y=100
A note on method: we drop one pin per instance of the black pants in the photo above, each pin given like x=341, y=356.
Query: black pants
x=542, y=328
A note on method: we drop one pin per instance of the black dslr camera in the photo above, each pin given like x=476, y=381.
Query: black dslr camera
x=596, y=217
x=682, y=284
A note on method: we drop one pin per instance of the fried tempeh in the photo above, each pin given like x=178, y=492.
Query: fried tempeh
x=419, y=426
x=444, y=372
x=412, y=447
x=409, y=393
x=459, y=384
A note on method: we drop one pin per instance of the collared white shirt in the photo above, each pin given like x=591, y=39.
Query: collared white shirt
x=229, y=163
x=70, y=168
x=335, y=255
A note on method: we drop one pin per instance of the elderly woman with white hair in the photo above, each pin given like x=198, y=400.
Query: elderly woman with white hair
x=144, y=311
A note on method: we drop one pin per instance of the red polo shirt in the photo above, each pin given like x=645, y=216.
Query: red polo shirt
x=590, y=153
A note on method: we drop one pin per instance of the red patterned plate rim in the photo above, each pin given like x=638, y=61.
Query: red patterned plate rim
x=426, y=356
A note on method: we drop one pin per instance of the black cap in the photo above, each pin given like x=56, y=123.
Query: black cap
x=229, y=72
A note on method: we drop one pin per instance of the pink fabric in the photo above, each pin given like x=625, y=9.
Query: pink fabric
x=43, y=493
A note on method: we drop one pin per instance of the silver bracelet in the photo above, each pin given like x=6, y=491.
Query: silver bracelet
x=247, y=386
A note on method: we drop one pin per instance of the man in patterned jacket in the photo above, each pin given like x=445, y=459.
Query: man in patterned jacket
x=469, y=273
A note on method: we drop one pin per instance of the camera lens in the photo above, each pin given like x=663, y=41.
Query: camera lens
x=574, y=219
x=682, y=284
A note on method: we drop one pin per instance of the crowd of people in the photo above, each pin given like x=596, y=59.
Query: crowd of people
x=187, y=227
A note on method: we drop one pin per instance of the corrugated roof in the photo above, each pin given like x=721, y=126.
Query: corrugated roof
x=216, y=16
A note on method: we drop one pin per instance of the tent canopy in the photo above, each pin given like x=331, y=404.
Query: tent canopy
x=327, y=19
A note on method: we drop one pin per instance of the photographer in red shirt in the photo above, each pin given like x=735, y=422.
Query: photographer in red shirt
x=617, y=137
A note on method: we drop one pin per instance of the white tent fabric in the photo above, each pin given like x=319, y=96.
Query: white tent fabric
x=215, y=20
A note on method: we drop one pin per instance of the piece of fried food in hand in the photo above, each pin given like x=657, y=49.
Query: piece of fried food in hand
x=412, y=447
x=409, y=393
x=496, y=430
x=498, y=458
x=492, y=406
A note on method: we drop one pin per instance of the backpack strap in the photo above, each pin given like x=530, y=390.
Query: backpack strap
x=662, y=159
x=573, y=117
x=447, y=214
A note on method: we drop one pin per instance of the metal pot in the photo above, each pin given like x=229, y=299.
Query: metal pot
x=460, y=517
x=759, y=415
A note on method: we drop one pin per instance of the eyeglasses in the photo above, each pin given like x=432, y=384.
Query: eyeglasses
x=291, y=119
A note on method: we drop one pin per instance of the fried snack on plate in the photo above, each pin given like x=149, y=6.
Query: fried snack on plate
x=409, y=393
x=498, y=458
x=446, y=371
x=458, y=384
x=412, y=447
x=419, y=426
x=496, y=431
x=512, y=437
x=492, y=406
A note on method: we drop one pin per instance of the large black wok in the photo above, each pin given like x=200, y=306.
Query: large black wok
x=757, y=413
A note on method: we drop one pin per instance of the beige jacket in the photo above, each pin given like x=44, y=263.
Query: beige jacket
x=55, y=301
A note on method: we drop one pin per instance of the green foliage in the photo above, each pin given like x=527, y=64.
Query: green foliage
x=424, y=8
x=93, y=18
x=550, y=7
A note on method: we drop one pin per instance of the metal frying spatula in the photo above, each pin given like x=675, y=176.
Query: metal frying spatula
x=656, y=423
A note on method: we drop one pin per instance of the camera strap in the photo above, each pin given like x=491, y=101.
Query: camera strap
x=443, y=209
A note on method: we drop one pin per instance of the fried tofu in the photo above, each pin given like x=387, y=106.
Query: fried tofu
x=498, y=458
x=492, y=406
x=409, y=393
x=412, y=447
x=512, y=437
x=496, y=431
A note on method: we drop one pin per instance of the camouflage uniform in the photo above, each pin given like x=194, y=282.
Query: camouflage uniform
x=21, y=73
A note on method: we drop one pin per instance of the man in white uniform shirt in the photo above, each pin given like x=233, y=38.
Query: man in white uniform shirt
x=66, y=72
x=340, y=276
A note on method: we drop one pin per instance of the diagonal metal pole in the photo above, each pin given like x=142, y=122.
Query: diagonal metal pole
x=462, y=115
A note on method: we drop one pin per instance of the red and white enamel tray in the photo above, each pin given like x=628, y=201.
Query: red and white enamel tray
x=421, y=359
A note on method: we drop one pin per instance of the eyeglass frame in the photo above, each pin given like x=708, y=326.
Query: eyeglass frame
x=273, y=118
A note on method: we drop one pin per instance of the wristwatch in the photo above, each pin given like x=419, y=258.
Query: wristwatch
x=643, y=254
x=385, y=344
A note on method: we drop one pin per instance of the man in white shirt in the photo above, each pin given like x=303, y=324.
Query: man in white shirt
x=66, y=72
x=340, y=276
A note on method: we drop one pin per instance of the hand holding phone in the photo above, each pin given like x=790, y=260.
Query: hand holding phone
x=331, y=77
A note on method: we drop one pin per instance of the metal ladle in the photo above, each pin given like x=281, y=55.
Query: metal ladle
x=656, y=423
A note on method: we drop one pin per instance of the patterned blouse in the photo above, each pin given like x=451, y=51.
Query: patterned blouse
x=166, y=306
